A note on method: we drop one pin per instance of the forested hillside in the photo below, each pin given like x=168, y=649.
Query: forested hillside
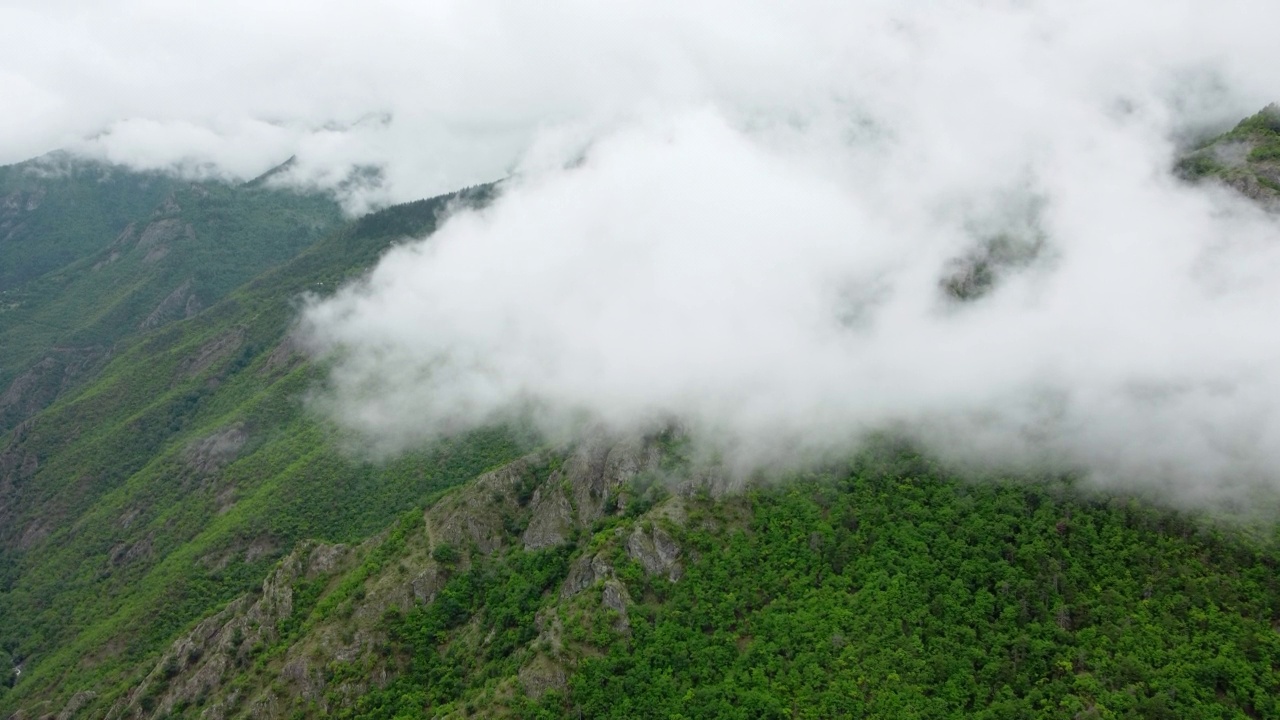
x=92, y=255
x=613, y=579
x=180, y=536
x=174, y=478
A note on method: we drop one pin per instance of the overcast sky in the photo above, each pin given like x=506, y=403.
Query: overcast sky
x=738, y=213
x=443, y=93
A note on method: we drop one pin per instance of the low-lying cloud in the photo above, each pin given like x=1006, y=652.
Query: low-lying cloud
x=787, y=226
x=783, y=301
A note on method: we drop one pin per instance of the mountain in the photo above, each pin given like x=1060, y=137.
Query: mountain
x=180, y=536
x=162, y=487
x=91, y=255
x=1247, y=158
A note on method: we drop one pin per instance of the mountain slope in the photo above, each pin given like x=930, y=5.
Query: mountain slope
x=174, y=479
x=1247, y=158
x=94, y=254
x=610, y=580
x=57, y=209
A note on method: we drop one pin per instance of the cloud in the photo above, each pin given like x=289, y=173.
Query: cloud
x=779, y=293
x=466, y=87
x=744, y=215
x=762, y=260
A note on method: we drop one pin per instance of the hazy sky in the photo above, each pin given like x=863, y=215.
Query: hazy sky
x=738, y=213
x=442, y=93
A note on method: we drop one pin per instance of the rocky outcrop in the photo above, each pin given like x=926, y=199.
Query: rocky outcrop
x=586, y=486
x=124, y=553
x=156, y=239
x=541, y=675
x=42, y=383
x=598, y=468
x=178, y=304
x=160, y=232
x=15, y=206
x=551, y=519
x=199, y=665
x=532, y=504
x=74, y=705
x=214, y=452
x=22, y=201
x=585, y=572
x=118, y=246
x=477, y=518
x=215, y=350
x=656, y=551
x=428, y=582
x=615, y=597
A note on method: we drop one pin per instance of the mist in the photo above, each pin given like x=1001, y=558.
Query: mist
x=759, y=221
x=449, y=93
x=783, y=306
x=773, y=274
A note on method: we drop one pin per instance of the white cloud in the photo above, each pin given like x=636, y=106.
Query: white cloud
x=738, y=213
x=786, y=304
x=470, y=85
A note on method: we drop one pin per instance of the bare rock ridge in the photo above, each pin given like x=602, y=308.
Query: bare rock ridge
x=179, y=304
x=198, y=664
x=325, y=604
x=48, y=378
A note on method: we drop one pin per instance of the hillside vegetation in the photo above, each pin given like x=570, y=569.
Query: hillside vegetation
x=175, y=478
x=1247, y=158
x=614, y=580
x=93, y=255
x=180, y=537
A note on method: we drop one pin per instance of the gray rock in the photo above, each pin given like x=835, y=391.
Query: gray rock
x=550, y=520
x=584, y=573
x=214, y=452
x=657, y=552
x=541, y=675
x=428, y=583
x=159, y=232
x=215, y=350
x=170, y=308
x=615, y=597
x=600, y=467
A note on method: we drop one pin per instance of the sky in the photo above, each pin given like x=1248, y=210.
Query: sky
x=738, y=215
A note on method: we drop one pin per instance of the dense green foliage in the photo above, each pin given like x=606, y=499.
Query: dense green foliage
x=894, y=593
x=890, y=590
x=1264, y=130
x=1267, y=121
x=503, y=594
